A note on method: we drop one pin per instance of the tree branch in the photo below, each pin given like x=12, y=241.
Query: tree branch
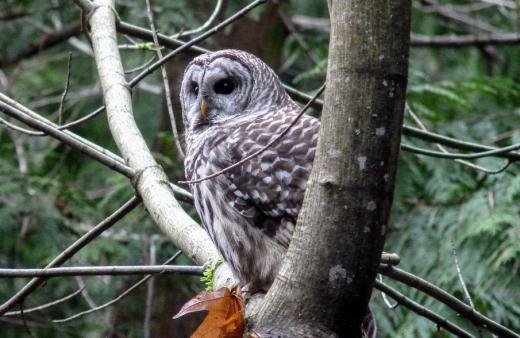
x=150, y=180
x=422, y=311
x=46, y=41
x=101, y=271
x=145, y=34
x=452, y=302
x=70, y=251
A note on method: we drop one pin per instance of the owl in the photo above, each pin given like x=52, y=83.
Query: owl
x=233, y=104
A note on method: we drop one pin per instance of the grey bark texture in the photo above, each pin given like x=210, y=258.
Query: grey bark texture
x=325, y=283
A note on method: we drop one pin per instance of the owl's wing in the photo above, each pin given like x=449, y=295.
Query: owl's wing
x=269, y=188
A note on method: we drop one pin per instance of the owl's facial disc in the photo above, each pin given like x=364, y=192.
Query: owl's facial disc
x=215, y=91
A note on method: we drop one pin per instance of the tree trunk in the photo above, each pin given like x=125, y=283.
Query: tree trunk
x=325, y=283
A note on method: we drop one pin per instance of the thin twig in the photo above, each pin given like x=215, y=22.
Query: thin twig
x=459, y=274
x=14, y=127
x=432, y=153
x=297, y=37
x=24, y=322
x=385, y=298
x=146, y=34
x=85, y=294
x=422, y=311
x=141, y=67
x=205, y=25
x=390, y=258
x=437, y=293
x=70, y=251
x=118, y=298
x=441, y=148
x=465, y=19
x=99, y=271
x=460, y=41
x=150, y=286
x=75, y=141
x=65, y=91
x=264, y=148
x=46, y=305
x=461, y=280
x=67, y=138
x=166, y=83
x=454, y=143
x=193, y=41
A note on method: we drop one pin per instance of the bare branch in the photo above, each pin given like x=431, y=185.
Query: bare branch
x=70, y=251
x=461, y=280
x=455, y=143
x=460, y=307
x=47, y=40
x=27, y=329
x=150, y=180
x=150, y=286
x=166, y=83
x=65, y=91
x=441, y=148
x=432, y=153
x=46, y=305
x=100, y=271
x=205, y=25
x=118, y=298
x=422, y=311
x=464, y=18
x=459, y=41
x=67, y=138
x=322, y=26
x=196, y=40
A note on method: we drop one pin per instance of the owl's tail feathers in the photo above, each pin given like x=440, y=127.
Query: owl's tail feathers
x=369, y=326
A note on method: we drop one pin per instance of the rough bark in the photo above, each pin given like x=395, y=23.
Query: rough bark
x=325, y=283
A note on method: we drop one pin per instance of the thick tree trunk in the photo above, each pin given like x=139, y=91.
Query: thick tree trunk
x=324, y=286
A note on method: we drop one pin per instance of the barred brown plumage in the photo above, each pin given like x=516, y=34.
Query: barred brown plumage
x=250, y=210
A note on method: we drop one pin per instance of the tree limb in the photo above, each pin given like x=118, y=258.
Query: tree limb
x=150, y=180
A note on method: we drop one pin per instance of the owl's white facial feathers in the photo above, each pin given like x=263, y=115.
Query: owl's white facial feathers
x=250, y=87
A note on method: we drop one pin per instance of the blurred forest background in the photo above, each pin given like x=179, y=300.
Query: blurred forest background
x=50, y=194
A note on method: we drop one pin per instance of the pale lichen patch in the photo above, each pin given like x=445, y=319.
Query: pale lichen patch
x=362, y=161
x=337, y=273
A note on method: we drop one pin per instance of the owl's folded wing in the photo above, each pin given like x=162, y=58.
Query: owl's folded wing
x=269, y=188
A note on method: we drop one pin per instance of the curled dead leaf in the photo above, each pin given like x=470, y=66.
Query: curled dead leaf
x=225, y=318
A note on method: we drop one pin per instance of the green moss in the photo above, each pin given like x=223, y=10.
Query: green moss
x=207, y=275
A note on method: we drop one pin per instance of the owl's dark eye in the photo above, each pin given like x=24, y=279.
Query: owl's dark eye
x=195, y=88
x=225, y=87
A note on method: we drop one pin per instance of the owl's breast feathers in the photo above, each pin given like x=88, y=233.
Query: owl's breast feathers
x=250, y=211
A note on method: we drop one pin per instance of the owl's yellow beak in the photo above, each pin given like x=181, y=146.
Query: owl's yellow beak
x=204, y=108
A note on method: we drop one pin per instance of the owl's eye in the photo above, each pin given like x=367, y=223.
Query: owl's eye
x=225, y=87
x=195, y=88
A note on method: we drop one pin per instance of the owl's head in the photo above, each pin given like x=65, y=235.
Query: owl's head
x=228, y=84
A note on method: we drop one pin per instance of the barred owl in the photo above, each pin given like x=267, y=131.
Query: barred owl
x=233, y=104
